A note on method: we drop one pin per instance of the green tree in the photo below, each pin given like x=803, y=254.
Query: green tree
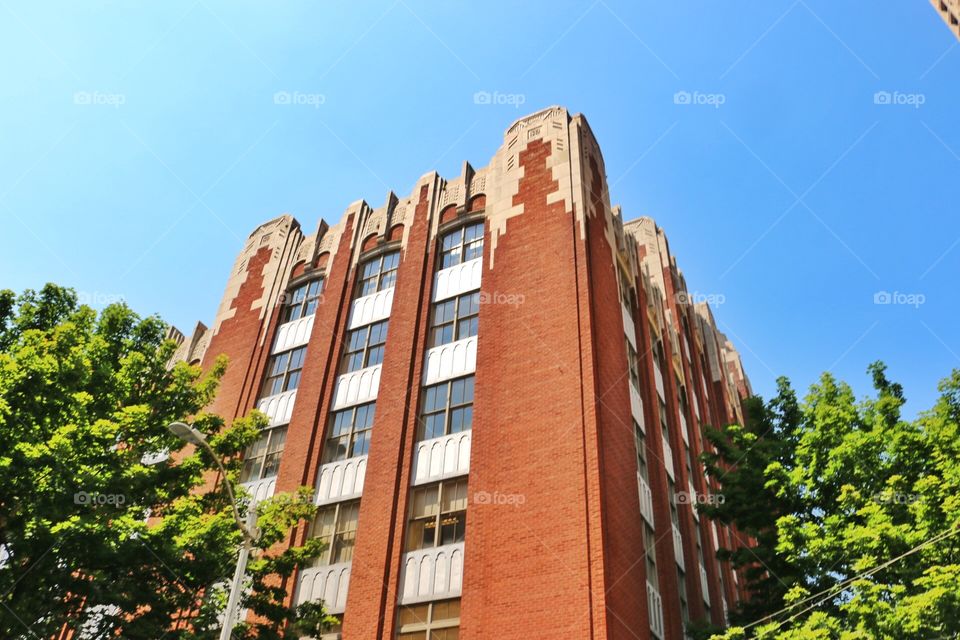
x=745, y=459
x=93, y=534
x=863, y=529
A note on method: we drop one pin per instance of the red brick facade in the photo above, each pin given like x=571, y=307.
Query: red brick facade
x=554, y=540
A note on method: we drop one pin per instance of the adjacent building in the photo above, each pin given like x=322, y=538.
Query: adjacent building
x=950, y=12
x=497, y=388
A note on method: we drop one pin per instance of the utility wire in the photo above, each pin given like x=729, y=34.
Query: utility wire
x=832, y=591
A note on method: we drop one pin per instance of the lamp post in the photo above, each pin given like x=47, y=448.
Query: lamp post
x=191, y=435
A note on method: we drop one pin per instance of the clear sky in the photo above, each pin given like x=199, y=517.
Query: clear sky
x=140, y=146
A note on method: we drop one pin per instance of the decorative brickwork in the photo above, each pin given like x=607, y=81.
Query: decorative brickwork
x=582, y=334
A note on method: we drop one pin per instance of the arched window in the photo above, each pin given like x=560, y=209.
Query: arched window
x=379, y=273
x=461, y=245
x=302, y=301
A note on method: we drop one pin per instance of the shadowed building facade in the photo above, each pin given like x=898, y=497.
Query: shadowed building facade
x=496, y=388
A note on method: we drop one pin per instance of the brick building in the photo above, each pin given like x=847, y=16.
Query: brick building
x=950, y=12
x=496, y=387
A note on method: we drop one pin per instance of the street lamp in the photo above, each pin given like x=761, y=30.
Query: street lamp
x=191, y=435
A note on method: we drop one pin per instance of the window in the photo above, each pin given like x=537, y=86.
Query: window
x=262, y=458
x=684, y=609
x=466, y=243
x=454, y=319
x=336, y=525
x=650, y=550
x=283, y=372
x=657, y=350
x=334, y=630
x=672, y=498
x=349, y=434
x=364, y=347
x=627, y=295
x=302, y=301
x=438, y=515
x=701, y=563
x=430, y=621
x=641, y=443
x=682, y=393
x=447, y=408
x=379, y=273
x=633, y=365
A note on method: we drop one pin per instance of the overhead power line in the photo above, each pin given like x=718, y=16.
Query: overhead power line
x=840, y=586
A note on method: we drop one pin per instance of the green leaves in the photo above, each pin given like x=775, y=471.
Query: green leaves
x=853, y=487
x=83, y=398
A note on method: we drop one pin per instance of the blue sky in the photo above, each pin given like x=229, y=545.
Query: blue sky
x=141, y=145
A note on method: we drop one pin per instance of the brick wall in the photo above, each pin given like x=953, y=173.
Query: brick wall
x=552, y=430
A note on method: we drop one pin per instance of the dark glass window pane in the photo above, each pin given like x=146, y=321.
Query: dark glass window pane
x=358, y=338
x=433, y=426
x=452, y=527
x=278, y=438
x=296, y=358
x=473, y=232
x=273, y=386
x=292, y=381
x=375, y=356
x=271, y=464
x=460, y=419
x=341, y=422
x=279, y=363
x=365, y=415
x=378, y=333
x=354, y=362
x=457, y=391
x=443, y=312
x=436, y=398
x=467, y=328
x=251, y=469
x=388, y=280
x=336, y=449
x=473, y=251
x=361, y=446
x=441, y=335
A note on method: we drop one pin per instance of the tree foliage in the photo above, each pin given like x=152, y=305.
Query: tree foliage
x=834, y=491
x=94, y=535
